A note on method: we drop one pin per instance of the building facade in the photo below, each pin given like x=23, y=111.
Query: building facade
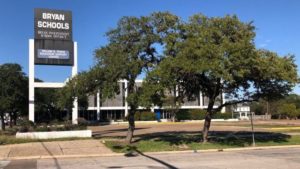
x=117, y=107
x=242, y=111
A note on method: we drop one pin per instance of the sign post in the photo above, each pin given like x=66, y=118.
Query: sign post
x=52, y=45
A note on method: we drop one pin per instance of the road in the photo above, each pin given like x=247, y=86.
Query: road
x=287, y=158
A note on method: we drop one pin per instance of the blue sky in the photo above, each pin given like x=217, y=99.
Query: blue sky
x=277, y=25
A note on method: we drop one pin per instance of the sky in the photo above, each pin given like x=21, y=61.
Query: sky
x=277, y=25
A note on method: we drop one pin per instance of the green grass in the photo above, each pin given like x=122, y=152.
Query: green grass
x=293, y=140
x=177, y=142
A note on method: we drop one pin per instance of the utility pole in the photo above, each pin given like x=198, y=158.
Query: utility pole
x=267, y=107
x=252, y=128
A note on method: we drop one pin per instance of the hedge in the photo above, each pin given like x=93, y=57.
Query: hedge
x=199, y=114
x=144, y=116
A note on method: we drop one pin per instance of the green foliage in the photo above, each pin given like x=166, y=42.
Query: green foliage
x=194, y=114
x=80, y=87
x=288, y=110
x=199, y=114
x=177, y=142
x=46, y=105
x=13, y=91
x=216, y=55
x=133, y=49
x=258, y=107
x=144, y=116
x=26, y=125
x=220, y=115
x=273, y=107
x=183, y=115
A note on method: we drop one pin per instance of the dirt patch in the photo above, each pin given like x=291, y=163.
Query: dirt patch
x=120, y=130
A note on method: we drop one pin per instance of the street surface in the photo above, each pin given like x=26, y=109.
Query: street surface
x=285, y=158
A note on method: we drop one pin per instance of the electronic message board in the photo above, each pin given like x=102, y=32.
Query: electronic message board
x=53, y=37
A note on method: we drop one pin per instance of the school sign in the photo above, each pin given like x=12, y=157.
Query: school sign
x=53, y=37
x=52, y=45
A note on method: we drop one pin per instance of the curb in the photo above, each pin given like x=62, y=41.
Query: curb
x=223, y=150
x=149, y=153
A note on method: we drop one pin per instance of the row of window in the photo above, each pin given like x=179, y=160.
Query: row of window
x=119, y=99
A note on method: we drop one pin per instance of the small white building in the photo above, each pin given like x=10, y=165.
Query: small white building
x=242, y=111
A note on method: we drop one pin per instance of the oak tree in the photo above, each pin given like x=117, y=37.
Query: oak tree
x=217, y=55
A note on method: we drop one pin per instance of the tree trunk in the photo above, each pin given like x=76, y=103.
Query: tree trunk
x=15, y=118
x=10, y=120
x=2, y=122
x=207, y=121
x=131, y=126
x=206, y=127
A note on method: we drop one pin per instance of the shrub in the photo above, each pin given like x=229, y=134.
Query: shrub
x=43, y=127
x=55, y=122
x=67, y=125
x=197, y=114
x=193, y=114
x=9, y=131
x=82, y=122
x=26, y=125
x=144, y=116
x=220, y=115
x=183, y=115
x=288, y=110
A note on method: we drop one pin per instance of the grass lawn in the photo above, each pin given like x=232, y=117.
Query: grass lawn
x=177, y=142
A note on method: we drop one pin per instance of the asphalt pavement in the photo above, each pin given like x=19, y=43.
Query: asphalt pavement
x=283, y=158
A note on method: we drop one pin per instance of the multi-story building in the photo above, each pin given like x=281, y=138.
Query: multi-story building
x=117, y=107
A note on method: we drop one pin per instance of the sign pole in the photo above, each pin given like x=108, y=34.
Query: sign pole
x=31, y=80
x=74, y=73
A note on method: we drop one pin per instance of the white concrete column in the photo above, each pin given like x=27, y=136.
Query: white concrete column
x=223, y=101
x=126, y=95
x=31, y=80
x=201, y=99
x=176, y=90
x=74, y=73
x=98, y=105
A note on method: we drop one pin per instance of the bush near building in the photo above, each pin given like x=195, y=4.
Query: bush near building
x=25, y=125
x=198, y=114
x=144, y=116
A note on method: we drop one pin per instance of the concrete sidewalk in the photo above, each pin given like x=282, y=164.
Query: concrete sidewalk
x=91, y=148
x=54, y=149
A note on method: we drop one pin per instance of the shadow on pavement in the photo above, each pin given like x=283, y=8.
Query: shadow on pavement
x=135, y=152
x=50, y=153
x=180, y=140
x=240, y=138
x=22, y=164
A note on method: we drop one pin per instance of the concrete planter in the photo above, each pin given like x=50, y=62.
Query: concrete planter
x=54, y=134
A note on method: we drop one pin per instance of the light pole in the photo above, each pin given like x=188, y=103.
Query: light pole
x=252, y=128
